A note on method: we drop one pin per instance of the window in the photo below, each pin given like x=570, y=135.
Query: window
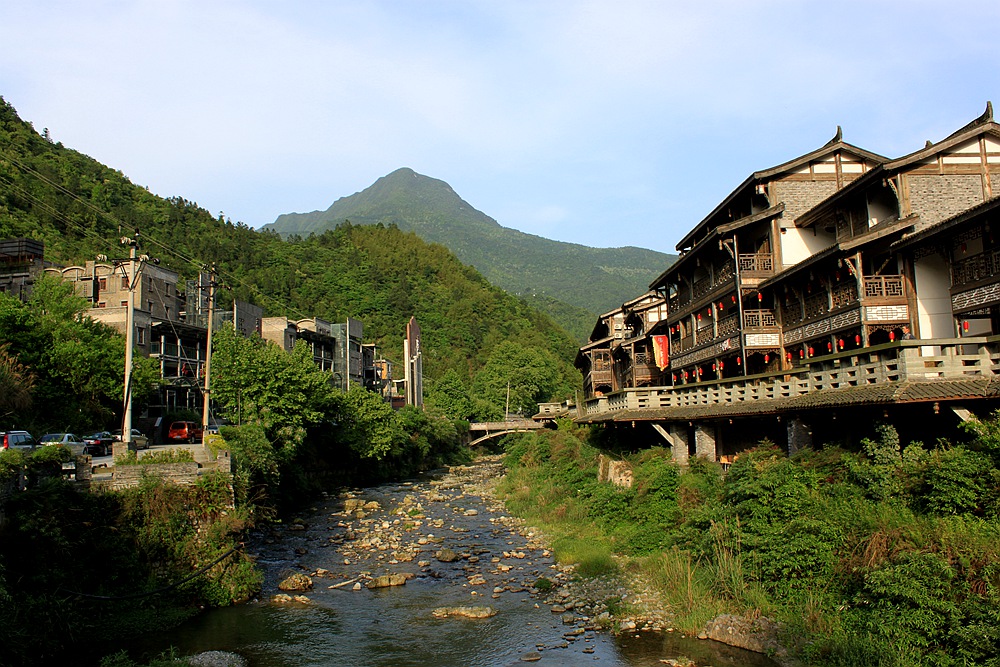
x=140, y=335
x=103, y=283
x=124, y=282
x=102, y=304
x=125, y=302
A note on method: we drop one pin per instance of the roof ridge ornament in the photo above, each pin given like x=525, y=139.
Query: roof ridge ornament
x=988, y=114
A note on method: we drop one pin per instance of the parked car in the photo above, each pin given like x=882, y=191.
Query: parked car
x=138, y=439
x=184, y=432
x=17, y=440
x=99, y=443
x=68, y=440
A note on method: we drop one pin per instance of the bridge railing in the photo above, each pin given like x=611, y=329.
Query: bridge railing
x=927, y=359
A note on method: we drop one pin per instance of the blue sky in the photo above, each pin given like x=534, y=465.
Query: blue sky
x=601, y=123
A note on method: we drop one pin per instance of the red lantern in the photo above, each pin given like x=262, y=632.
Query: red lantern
x=722, y=365
x=767, y=358
x=811, y=351
x=721, y=306
x=708, y=311
x=829, y=347
x=802, y=353
x=760, y=297
x=892, y=336
x=699, y=317
x=738, y=361
x=788, y=356
x=685, y=375
x=734, y=298
x=713, y=368
x=840, y=343
x=965, y=325
x=857, y=339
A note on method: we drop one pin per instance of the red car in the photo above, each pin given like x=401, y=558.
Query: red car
x=184, y=432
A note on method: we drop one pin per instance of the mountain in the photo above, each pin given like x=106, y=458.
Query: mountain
x=79, y=208
x=572, y=283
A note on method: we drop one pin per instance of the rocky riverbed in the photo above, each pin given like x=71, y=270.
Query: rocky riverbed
x=433, y=572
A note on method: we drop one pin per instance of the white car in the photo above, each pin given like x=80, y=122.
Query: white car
x=70, y=441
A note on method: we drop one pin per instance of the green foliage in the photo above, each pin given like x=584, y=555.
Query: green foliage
x=517, y=378
x=886, y=557
x=166, y=456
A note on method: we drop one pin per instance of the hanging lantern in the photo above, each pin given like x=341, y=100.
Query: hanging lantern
x=708, y=311
x=685, y=375
x=713, y=368
x=699, y=317
x=840, y=343
x=829, y=347
x=788, y=356
x=857, y=339
x=837, y=275
x=674, y=377
x=734, y=298
x=892, y=336
x=722, y=365
x=721, y=306
x=811, y=351
x=802, y=353
x=760, y=297
x=965, y=325
x=738, y=361
x=767, y=358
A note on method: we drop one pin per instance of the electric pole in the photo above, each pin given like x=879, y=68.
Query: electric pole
x=131, y=275
x=208, y=353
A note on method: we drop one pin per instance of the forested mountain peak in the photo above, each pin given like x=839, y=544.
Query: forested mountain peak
x=381, y=275
x=572, y=282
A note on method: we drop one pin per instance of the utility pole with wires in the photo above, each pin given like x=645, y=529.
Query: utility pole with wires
x=208, y=352
x=132, y=274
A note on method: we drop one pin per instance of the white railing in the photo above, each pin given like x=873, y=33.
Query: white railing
x=935, y=359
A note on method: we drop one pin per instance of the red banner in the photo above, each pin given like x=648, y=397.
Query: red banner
x=661, y=351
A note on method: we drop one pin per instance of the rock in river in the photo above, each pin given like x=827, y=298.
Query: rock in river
x=464, y=612
x=296, y=583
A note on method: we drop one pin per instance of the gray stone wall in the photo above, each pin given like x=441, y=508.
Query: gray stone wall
x=704, y=442
x=995, y=184
x=617, y=472
x=936, y=197
x=800, y=196
x=124, y=477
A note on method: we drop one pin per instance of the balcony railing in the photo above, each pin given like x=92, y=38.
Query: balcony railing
x=760, y=263
x=844, y=294
x=975, y=268
x=728, y=326
x=877, y=287
x=817, y=305
x=922, y=360
x=756, y=319
x=704, y=334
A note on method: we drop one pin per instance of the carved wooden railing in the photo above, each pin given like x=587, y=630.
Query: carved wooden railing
x=756, y=319
x=975, y=268
x=756, y=263
x=877, y=287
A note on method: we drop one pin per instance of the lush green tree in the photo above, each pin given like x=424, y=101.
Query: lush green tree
x=258, y=382
x=516, y=378
x=367, y=424
x=16, y=383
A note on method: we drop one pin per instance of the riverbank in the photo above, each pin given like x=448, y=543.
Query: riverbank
x=433, y=571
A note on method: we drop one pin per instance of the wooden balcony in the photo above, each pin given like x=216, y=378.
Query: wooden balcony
x=975, y=268
x=756, y=265
x=917, y=362
x=884, y=288
x=759, y=319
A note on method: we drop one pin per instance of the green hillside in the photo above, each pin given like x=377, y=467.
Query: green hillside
x=572, y=283
x=381, y=275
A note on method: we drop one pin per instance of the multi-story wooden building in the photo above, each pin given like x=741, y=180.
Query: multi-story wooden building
x=628, y=347
x=840, y=280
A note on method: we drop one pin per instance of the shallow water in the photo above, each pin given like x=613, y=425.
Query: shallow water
x=394, y=626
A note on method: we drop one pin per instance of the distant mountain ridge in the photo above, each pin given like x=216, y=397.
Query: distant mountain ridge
x=571, y=282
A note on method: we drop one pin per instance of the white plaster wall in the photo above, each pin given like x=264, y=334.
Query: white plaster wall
x=932, y=282
x=800, y=244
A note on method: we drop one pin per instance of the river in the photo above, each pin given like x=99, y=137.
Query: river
x=416, y=528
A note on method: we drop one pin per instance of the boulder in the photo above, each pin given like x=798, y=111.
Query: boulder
x=387, y=580
x=296, y=583
x=464, y=612
x=447, y=556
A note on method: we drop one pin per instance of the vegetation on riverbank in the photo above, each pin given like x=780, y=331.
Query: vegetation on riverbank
x=885, y=557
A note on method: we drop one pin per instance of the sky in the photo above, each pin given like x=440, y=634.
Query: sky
x=608, y=124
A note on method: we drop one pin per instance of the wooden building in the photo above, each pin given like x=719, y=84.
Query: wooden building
x=841, y=282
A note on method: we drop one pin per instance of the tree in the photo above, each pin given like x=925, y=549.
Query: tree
x=531, y=374
x=16, y=383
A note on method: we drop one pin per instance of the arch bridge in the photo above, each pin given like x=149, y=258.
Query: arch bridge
x=483, y=431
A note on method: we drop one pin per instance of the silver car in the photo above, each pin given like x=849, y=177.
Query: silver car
x=139, y=441
x=70, y=441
